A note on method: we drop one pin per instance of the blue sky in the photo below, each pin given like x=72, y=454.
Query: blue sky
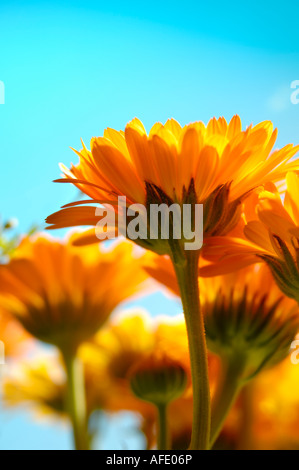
x=72, y=69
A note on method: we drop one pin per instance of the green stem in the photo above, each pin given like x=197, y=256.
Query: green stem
x=187, y=277
x=163, y=435
x=246, y=436
x=76, y=400
x=227, y=392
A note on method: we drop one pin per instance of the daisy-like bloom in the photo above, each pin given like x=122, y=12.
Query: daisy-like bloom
x=40, y=384
x=216, y=165
x=250, y=324
x=127, y=342
x=266, y=415
x=118, y=345
x=274, y=408
x=62, y=295
x=128, y=338
x=150, y=357
x=270, y=232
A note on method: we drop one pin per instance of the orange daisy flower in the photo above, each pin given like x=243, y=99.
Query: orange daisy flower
x=269, y=232
x=220, y=163
x=62, y=294
x=129, y=339
x=254, y=291
x=42, y=383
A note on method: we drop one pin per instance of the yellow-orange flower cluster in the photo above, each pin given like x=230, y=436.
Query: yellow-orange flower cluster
x=245, y=312
x=64, y=293
x=108, y=360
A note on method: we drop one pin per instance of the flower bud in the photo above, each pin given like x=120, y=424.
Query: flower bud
x=158, y=379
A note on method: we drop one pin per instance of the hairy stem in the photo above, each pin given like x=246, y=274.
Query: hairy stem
x=187, y=277
x=163, y=435
x=76, y=400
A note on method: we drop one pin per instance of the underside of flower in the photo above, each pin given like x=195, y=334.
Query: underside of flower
x=158, y=379
x=285, y=268
x=250, y=329
x=220, y=163
x=63, y=294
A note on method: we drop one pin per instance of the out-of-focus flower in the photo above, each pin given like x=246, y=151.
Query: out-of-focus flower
x=62, y=294
x=274, y=406
x=107, y=360
x=41, y=383
x=245, y=313
x=121, y=343
x=125, y=341
x=157, y=379
x=247, y=317
x=266, y=415
x=249, y=323
x=180, y=413
x=131, y=337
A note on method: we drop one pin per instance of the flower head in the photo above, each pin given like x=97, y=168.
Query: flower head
x=133, y=339
x=245, y=314
x=129, y=338
x=41, y=382
x=216, y=165
x=270, y=233
x=274, y=407
x=62, y=294
x=266, y=413
x=157, y=379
